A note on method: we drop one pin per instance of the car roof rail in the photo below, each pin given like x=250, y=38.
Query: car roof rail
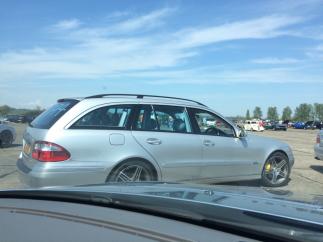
x=141, y=96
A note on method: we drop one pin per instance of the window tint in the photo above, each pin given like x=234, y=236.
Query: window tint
x=172, y=119
x=210, y=124
x=146, y=119
x=109, y=117
x=46, y=119
x=162, y=118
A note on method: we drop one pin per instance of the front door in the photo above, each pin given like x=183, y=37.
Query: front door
x=224, y=155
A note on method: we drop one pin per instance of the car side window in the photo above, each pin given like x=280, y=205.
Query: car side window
x=109, y=117
x=172, y=119
x=163, y=118
x=146, y=119
x=210, y=124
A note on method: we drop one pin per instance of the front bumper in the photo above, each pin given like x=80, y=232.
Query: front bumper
x=318, y=151
x=60, y=177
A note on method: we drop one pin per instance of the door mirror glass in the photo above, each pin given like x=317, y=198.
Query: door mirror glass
x=241, y=132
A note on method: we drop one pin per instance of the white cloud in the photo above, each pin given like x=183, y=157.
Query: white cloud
x=316, y=53
x=276, y=61
x=260, y=28
x=106, y=51
x=67, y=24
x=218, y=76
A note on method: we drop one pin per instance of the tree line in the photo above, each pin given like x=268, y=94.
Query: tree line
x=7, y=110
x=304, y=112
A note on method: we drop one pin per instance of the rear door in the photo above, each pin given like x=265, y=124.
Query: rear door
x=224, y=155
x=101, y=137
x=166, y=134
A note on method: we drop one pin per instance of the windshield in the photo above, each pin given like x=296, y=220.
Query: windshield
x=221, y=95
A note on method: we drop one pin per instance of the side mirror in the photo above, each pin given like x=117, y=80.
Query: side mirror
x=241, y=132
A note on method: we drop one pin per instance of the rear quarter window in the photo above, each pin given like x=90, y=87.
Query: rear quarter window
x=49, y=117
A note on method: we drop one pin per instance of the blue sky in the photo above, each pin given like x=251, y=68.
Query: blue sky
x=230, y=55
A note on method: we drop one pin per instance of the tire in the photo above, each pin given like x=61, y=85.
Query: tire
x=6, y=139
x=133, y=171
x=282, y=174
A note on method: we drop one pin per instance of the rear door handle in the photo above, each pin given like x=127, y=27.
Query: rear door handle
x=208, y=143
x=153, y=141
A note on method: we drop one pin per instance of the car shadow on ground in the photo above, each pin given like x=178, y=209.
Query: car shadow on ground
x=317, y=168
x=252, y=183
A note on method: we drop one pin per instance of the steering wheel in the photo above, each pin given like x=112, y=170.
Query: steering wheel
x=215, y=131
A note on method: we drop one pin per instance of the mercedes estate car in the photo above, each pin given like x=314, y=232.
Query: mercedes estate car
x=129, y=138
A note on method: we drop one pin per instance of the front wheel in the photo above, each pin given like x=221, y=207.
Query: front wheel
x=132, y=171
x=276, y=170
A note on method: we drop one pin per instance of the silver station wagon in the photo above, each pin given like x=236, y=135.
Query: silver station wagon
x=127, y=137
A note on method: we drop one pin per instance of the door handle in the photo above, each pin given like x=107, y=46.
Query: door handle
x=153, y=141
x=208, y=143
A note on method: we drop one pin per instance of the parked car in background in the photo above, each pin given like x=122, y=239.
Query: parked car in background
x=313, y=125
x=299, y=125
x=29, y=118
x=7, y=135
x=280, y=126
x=309, y=125
x=16, y=118
x=254, y=125
x=130, y=138
x=318, y=148
x=269, y=125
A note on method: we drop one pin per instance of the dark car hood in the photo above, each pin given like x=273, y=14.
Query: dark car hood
x=268, y=201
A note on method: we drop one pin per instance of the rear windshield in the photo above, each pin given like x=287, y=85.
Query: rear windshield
x=46, y=119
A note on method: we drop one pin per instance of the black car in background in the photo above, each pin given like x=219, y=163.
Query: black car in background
x=20, y=118
x=16, y=118
x=313, y=125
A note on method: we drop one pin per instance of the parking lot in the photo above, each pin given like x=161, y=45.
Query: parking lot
x=306, y=176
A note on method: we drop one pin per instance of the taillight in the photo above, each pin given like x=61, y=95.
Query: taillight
x=49, y=152
x=318, y=140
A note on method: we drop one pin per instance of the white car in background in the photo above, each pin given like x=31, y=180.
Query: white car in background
x=254, y=125
x=7, y=135
x=318, y=148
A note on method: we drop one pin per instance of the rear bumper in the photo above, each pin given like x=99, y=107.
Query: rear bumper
x=318, y=151
x=44, y=177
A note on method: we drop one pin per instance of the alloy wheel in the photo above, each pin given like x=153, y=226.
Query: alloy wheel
x=133, y=173
x=276, y=170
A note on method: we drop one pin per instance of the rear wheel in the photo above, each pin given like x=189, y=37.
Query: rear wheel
x=276, y=170
x=6, y=139
x=133, y=171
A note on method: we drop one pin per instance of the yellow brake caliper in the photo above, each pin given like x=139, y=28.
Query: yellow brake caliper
x=268, y=166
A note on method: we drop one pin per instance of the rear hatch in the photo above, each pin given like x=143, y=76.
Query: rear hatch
x=40, y=126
